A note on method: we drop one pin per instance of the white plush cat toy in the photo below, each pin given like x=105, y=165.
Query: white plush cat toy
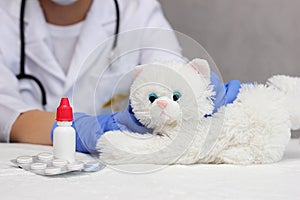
x=174, y=99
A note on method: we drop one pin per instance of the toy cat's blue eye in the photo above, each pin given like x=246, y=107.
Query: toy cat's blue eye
x=176, y=96
x=152, y=97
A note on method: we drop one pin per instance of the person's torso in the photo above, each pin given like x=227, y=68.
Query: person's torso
x=91, y=82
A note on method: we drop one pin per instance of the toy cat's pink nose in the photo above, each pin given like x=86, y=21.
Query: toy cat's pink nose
x=162, y=103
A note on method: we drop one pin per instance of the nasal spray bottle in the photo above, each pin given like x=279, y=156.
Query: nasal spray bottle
x=64, y=139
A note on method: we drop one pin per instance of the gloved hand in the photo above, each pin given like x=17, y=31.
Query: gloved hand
x=90, y=128
x=225, y=93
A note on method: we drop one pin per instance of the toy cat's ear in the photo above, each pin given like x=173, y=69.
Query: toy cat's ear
x=137, y=71
x=201, y=66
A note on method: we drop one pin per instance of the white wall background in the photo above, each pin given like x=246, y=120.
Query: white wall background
x=249, y=40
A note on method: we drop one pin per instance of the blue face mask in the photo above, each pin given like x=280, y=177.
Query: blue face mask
x=64, y=2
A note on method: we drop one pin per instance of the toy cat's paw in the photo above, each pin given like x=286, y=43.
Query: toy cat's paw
x=116, y=147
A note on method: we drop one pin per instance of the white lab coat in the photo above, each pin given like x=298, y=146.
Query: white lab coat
x=20, y=96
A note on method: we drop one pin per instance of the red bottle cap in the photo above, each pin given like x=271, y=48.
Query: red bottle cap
x=64, y=111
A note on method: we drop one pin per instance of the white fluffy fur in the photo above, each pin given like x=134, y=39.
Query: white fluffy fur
x=254, y=129
x=290, y=86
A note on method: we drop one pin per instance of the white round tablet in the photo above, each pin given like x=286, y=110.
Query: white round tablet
x=75, y=166
x=24, y=159
x=38, y=166
x=59, y=163
x=92, y=166
x=45, y=156
x=52, y=170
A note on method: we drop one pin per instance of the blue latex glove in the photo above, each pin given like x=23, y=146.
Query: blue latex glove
x=90, y=128
x=225, y=93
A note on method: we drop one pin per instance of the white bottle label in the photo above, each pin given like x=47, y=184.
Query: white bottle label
x=64, y=142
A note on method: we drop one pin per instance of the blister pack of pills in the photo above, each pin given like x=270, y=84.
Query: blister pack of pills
x=46, y=164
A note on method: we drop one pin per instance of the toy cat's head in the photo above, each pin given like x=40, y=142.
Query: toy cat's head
x=164, y=95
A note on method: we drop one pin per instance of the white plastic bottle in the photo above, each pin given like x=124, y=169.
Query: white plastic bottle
x=64, y=139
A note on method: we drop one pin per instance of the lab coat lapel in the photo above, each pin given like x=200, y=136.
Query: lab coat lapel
x=38, y=40
x=92, y=35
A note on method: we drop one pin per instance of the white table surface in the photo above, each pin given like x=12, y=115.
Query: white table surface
x=273, y=181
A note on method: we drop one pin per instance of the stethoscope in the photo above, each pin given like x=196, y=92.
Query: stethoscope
x=23, y=75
